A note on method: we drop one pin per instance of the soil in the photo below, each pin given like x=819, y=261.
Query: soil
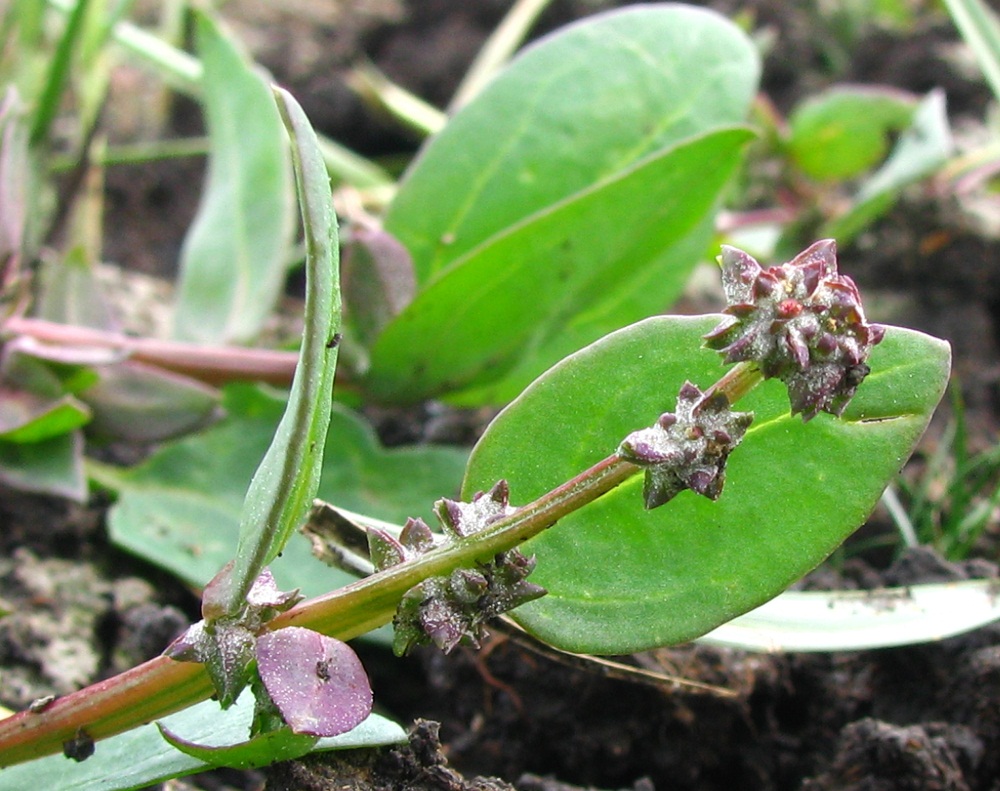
x=925, y=718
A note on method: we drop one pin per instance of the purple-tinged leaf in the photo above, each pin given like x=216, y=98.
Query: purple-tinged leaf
x=377, y=272
x=224, y=641
x=317, y=683
x=225, y=648
x=462, y=519
x=264, y=600
x=143, y=403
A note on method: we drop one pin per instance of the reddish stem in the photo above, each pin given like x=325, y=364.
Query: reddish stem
x=212, y=364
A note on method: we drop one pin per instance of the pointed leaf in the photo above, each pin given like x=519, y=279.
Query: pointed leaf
x=261, y=750
x=621, y=578
x=235, y=256
x=285, y=483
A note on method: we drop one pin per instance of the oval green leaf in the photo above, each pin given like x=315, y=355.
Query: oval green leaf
x=541, y=214
x=622, y=579
x=840, y=133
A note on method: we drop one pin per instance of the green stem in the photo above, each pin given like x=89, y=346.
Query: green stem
x=406, y=107
x=371, y=602
x=737, y=382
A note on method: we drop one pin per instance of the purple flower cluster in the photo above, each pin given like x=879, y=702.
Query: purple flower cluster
x=800, y=322
x=687, y=449
x=453, y=610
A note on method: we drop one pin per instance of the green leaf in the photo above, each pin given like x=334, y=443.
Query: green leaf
x=575, y=108
x=923, y=148
x=497, y=306
x=141, y=757
x=261, y=750
x=180, y=509
x=142, y=403
x=621, y=578
x=52, y=466
x=542, y=212
x=59, y=69
x=285, y=483
x=611, y=302
x=842, y=132
x=234, y=259
x=27, y=418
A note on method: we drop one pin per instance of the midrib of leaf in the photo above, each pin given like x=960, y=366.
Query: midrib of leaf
x=485, y=175
x=565, y=202
x=440, y=261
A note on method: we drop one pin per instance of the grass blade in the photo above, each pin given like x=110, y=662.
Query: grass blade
x=981, y=30
x=861, y=620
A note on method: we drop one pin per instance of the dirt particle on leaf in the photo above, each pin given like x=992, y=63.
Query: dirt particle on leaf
x=80, y=747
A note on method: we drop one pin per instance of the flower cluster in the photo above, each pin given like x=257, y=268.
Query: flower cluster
x=800, y=322
x=687, y=449
x=453, y=610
